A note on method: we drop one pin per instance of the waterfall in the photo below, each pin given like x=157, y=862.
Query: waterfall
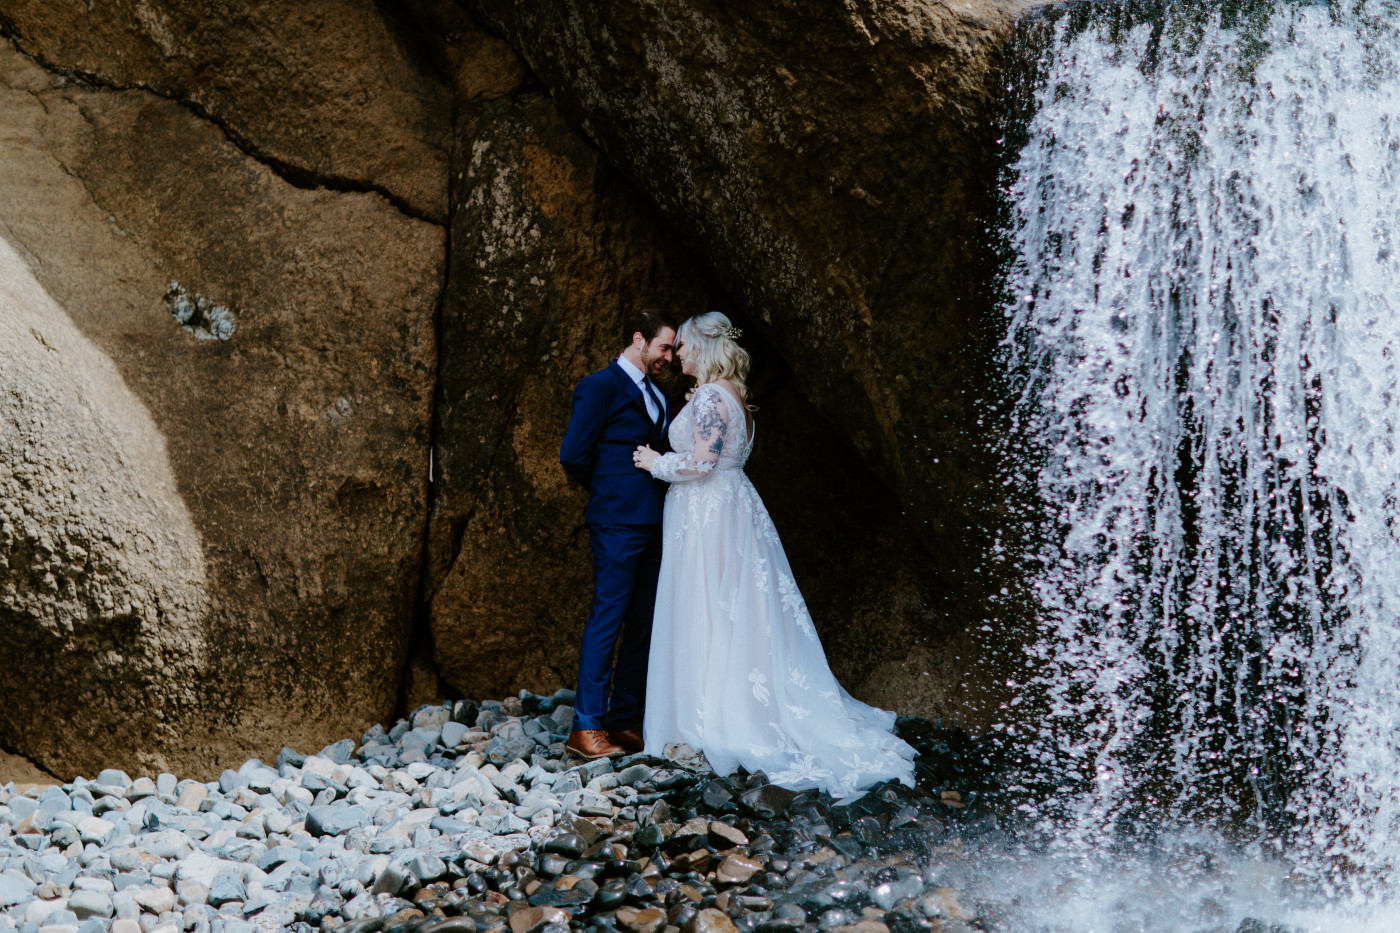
x=1203, y=346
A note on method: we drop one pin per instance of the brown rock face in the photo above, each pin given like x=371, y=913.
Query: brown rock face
x=250, y=584
x=835, y=162
x=331, y=93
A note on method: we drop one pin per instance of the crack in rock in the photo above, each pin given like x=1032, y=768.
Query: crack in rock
x=295, y=175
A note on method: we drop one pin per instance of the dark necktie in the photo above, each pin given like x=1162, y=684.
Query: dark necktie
x=660, y=405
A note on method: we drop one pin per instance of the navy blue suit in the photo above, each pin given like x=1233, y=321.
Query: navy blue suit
x=609, y=421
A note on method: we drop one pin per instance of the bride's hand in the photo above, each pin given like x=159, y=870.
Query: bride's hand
x=644, y=457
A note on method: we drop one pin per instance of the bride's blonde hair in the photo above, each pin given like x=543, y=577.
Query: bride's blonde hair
x=715, y=351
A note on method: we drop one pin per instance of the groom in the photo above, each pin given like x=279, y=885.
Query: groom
x=616, y=410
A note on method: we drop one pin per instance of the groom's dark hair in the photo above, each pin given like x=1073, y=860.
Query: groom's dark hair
x=646, y=322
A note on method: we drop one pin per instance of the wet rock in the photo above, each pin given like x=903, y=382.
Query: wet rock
x=535, y=918
x=737, y=869
x=641, y=920
x=724, y=836
x=942, y=902
x=767, y=801
x=863, y=926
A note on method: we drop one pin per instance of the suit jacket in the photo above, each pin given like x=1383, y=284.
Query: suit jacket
x=609, y=421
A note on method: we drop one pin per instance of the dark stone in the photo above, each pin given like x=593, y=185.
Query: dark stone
x=847, y=846
x=289, y=758
x=554, y=897
x=717, y=794
x=367, y=925
x=868, y=830
x=779, y=925
x=551, y=863
x=638, y=891
x=901, y=921
x=868, y=804
x=611, y=895
x=768, y=801
x=648, y=836
x=449, y=925
x=570, y=844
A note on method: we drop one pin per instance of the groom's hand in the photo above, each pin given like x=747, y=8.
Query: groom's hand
x=644, y=457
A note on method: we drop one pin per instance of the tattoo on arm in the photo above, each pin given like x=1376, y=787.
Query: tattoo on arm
x=712, y=428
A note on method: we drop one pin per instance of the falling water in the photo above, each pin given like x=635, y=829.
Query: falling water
x=1204, y=339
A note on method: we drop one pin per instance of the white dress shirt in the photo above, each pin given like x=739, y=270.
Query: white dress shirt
x=639, y=378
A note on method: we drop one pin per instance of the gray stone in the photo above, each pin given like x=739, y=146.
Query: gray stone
x=260, y=778
x=394, y=878
x=334, y=820
x=289, y=758
x=166, y=784
x=141, y=788
x=226, y=887
x=86, y=904
x=95, y=829
x=113, y=779
x=504, y=750
x=452, y=733
x=54, y=801
x=635, y=774
x=339, y=752
x=14, y=889
x=277, y=855
x=21, y=807
x=427, y=868
x=231, y=780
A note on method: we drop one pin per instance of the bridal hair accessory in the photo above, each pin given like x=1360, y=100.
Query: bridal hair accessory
x=730, y=331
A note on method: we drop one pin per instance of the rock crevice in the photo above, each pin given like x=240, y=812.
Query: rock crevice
x=296, y=175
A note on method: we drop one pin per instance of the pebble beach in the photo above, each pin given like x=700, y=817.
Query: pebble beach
x=470, y=818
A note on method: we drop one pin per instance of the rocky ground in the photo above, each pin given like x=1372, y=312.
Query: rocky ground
x=469, y=817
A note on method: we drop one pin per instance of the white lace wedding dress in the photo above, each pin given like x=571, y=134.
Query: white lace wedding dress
x=736, y=669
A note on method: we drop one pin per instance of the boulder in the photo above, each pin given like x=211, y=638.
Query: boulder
x=332, y=94
x=226, y=421
x=837, y=164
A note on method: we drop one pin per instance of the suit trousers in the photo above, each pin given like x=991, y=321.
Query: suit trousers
x=626, y=561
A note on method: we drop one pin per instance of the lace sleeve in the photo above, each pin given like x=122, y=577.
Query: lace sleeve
x=711, y=418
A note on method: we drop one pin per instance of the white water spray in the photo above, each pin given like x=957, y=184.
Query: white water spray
x=1204, y=334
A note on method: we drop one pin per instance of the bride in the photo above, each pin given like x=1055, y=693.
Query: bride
x=736, y=669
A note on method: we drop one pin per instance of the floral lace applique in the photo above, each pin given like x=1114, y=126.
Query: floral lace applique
x=760, y=686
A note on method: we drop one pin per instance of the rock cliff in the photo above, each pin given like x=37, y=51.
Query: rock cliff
x=316, y=284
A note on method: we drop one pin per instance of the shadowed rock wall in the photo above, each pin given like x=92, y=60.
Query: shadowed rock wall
x=835, y=162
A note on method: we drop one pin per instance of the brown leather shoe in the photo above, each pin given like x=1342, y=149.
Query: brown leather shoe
x=591, y=743
x=629, y=740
